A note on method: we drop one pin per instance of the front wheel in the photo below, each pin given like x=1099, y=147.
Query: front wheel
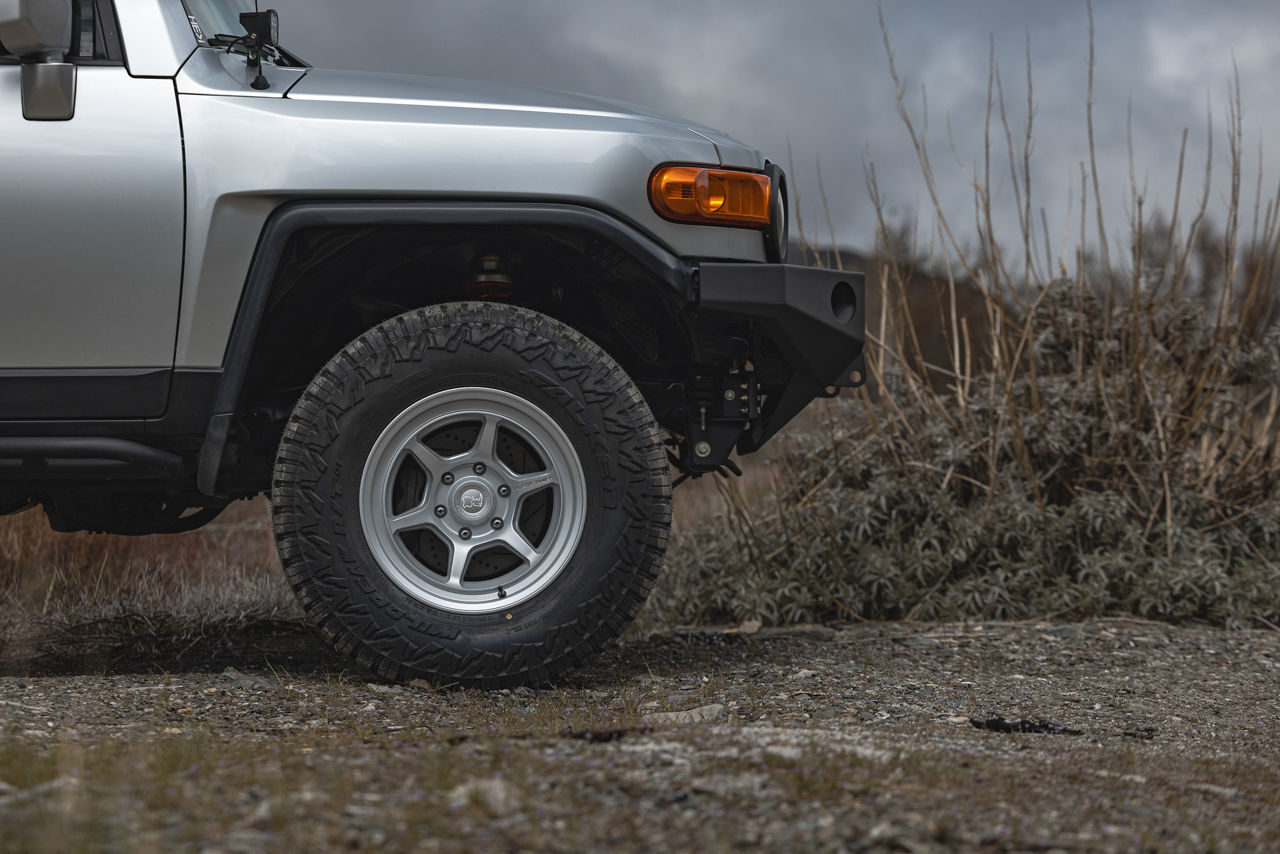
x=471, y=493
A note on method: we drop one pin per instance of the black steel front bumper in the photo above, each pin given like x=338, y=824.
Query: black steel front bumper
x=808, y=333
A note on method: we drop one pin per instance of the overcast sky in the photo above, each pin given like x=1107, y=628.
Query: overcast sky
x=810, y=77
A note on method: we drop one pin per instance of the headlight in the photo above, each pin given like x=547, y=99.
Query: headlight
x=710, y=196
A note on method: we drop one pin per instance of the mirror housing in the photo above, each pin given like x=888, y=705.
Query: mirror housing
x=38, y=32
x=49, y=92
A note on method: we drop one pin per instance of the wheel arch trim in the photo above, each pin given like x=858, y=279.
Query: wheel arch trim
x=295, y=216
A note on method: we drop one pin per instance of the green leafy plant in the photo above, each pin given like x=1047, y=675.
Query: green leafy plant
x=1098, y=438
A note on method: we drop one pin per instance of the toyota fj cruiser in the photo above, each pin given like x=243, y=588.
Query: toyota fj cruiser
x=459, y=332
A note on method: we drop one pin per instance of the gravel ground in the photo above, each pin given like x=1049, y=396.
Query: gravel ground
x=1108, y=736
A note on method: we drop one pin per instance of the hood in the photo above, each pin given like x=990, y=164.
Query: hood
x=545, y=107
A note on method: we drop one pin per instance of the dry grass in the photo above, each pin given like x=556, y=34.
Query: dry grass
x=123, y=593
x=228, y=563
x=702, y=498
x=1106, y=442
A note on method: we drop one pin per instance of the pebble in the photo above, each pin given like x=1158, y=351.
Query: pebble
x=659, y=720
x=249, y=680
x=494, y=794
x=1221, y=791
x=385, y=689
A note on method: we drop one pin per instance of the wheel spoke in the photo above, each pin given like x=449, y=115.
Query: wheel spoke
x=432, y=463
x=419, y=517
x=524, y=549
x=459, y=556
x=523, y=484
x=486, y=442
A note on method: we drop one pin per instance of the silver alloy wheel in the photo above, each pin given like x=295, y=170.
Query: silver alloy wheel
x=472, y=525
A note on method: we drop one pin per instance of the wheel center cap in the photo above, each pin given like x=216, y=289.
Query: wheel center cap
x=472, y=502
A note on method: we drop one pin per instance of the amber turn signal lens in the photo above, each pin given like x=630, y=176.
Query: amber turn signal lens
x=710, y=196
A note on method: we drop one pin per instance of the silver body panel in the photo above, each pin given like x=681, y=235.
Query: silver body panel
x=113, y=177
x=157, y=36
x=344, y=135
x=729, y=150
x=91, y=234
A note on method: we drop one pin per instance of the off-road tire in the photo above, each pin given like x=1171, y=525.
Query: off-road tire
x=425, y=355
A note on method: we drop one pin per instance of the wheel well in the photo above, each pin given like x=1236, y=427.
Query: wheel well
x=335, y=282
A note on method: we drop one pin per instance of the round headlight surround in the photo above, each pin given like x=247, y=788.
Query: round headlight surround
x=777, y=234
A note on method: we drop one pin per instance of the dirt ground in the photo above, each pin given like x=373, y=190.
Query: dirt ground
x=1108, y=736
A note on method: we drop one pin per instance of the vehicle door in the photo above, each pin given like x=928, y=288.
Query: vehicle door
x=91, y=238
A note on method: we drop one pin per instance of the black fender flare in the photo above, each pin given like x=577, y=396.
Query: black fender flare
x=294, y=216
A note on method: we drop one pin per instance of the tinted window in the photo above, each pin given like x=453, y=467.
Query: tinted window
x=82, y=42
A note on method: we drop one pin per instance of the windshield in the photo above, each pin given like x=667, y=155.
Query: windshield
x=211, y=17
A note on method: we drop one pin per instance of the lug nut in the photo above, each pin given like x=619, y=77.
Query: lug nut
x=440, y=511
x=730, y=394
x=504, y=491
x=478, y=468
x=702, y=449
x=465, y=533
x=497, y=524
x=446, y=478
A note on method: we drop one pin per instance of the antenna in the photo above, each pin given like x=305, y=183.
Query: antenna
x=261, y=29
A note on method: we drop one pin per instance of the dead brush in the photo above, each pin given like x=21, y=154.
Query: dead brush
x=1107, y=442
x=96, y=593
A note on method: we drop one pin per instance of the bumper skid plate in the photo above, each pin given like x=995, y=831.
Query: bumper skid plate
x=815, y=318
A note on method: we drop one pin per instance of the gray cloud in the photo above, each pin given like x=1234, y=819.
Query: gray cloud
x=810, y=77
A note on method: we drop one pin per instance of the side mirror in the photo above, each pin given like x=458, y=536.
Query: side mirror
x=34, y=30
x=38, y=32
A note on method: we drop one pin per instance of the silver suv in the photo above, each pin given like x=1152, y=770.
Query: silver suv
x=461, y=333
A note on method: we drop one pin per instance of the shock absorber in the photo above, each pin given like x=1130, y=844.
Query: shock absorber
x=490, y=282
